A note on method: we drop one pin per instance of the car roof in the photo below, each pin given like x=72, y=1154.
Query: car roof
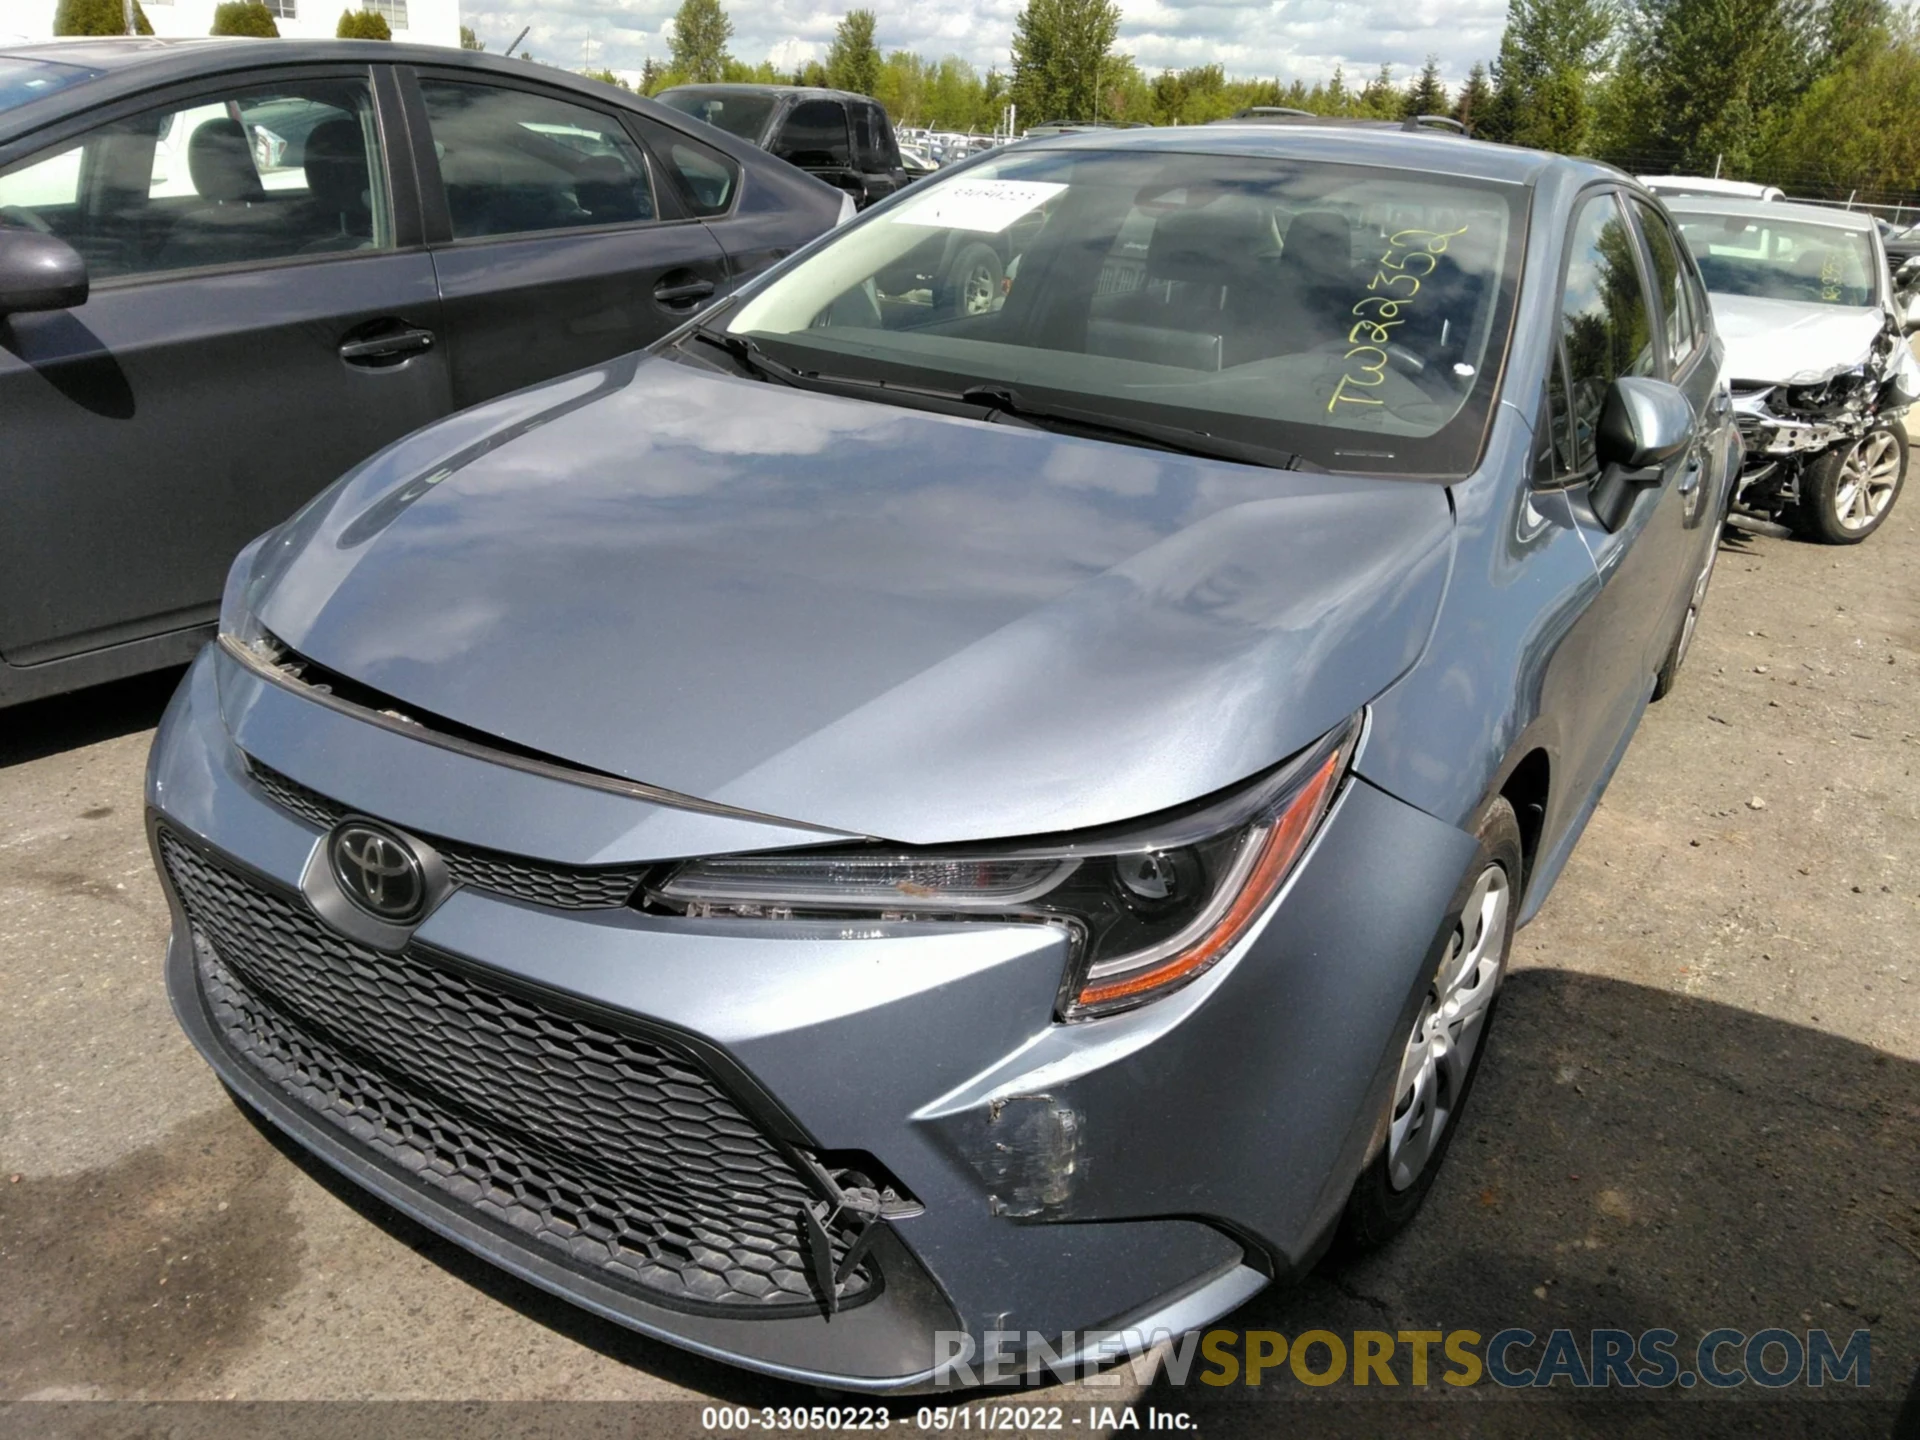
x=128, y=66
x=1767, y=210
x=1436, y=151
x=1710, y=185
x=729, y=87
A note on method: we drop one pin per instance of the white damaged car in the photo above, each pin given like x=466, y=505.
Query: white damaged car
x=1817, y=359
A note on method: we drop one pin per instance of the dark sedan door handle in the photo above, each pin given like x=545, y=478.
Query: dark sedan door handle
x=1722, y=405
x=383, y=349
x=684, y=293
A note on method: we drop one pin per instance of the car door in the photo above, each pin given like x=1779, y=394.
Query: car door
x=1609, y=328
x=262, y=317
x=555, y=244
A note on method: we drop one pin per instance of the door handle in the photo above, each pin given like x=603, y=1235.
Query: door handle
x=380, y=348
x=1690, y=476
x=1722, y=405
x=682, y=293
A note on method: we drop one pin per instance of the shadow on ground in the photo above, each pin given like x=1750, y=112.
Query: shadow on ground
x=102, y=712
x=1634, y=1159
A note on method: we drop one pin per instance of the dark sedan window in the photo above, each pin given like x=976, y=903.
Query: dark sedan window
x=814, y=134
x=512, y=162
x=1605, y=322
x=706, y=177
x=277, y=173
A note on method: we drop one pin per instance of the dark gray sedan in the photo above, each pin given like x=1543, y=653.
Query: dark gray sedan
x=229, y=270
x=885, y=832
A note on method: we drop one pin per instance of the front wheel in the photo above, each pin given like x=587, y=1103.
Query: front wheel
x=1442, y=1053
x=1848, y=492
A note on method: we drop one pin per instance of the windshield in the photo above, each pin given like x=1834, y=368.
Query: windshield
x=1351, y=315
x=23, y=80
x=738, y=112
x=1781, y=259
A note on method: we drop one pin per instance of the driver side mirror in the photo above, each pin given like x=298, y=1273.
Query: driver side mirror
x=39, y=271
x=1644, y=423
x=1909, y=303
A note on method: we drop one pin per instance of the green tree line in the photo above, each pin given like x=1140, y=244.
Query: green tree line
x=1817, y=96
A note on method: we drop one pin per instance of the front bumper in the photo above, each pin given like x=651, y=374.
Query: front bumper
x=1148, y=1170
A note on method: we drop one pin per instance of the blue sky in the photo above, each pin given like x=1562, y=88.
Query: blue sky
x=1304, y=38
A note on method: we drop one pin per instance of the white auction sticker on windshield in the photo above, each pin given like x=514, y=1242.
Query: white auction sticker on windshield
x=986, y=206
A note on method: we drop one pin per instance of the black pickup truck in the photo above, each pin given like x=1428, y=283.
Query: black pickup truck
x=843, y=138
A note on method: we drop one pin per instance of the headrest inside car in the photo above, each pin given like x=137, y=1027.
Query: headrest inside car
x=221, y=163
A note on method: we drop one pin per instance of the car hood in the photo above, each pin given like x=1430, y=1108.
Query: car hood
x=1792, y=342
x=871, y=619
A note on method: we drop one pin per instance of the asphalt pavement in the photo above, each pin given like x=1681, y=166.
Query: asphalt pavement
x=1700, y=1108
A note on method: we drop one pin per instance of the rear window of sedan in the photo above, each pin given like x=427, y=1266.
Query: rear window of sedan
x=1353, y=315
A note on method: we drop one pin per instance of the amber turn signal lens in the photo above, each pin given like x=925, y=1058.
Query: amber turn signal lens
x=1287, y=835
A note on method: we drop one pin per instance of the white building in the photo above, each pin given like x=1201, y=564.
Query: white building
x=424, y=22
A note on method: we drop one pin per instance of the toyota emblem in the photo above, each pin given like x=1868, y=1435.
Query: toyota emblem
x=378, y=871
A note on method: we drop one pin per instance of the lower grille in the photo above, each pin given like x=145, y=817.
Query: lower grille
x=619, y=1154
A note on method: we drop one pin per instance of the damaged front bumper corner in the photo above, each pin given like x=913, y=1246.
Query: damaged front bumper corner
x=1816, y=411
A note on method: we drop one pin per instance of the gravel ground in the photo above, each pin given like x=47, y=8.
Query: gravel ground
x=1701, y=1105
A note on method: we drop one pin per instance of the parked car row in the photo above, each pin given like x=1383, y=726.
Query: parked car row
x=764, y=822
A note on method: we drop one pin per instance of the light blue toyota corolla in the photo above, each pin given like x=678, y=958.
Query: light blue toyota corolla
x=927, y=806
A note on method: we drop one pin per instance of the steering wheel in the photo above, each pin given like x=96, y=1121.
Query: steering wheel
x=20, y=215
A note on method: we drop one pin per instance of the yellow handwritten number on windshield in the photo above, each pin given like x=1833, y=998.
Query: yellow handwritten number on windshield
x=1395, y=284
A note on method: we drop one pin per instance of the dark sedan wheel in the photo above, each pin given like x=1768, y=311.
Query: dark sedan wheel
x=1850, y=490
x=1442, y=1053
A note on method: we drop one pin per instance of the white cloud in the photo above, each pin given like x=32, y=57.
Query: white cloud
x=1287, y=38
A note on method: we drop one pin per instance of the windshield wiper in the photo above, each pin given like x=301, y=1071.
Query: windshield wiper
x=1000, y=400
x=748, y=356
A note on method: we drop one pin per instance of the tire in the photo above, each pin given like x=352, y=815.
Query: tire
x=1682, y=642
x=1422, y=1119
x=974, y=279
x=1847, y=493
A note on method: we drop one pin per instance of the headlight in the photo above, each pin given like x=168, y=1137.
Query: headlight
x=239, y=625
x=1147, y=906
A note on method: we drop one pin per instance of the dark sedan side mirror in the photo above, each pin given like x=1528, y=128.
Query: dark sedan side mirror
x=39, y=272
x=1643, y=424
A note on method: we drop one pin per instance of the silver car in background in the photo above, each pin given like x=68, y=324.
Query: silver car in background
x=1817, y=359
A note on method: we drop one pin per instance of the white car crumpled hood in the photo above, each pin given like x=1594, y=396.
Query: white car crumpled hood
x=1792, y=342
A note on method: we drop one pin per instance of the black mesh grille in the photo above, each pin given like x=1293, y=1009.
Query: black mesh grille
x=620, y=1154
x=562, y=886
